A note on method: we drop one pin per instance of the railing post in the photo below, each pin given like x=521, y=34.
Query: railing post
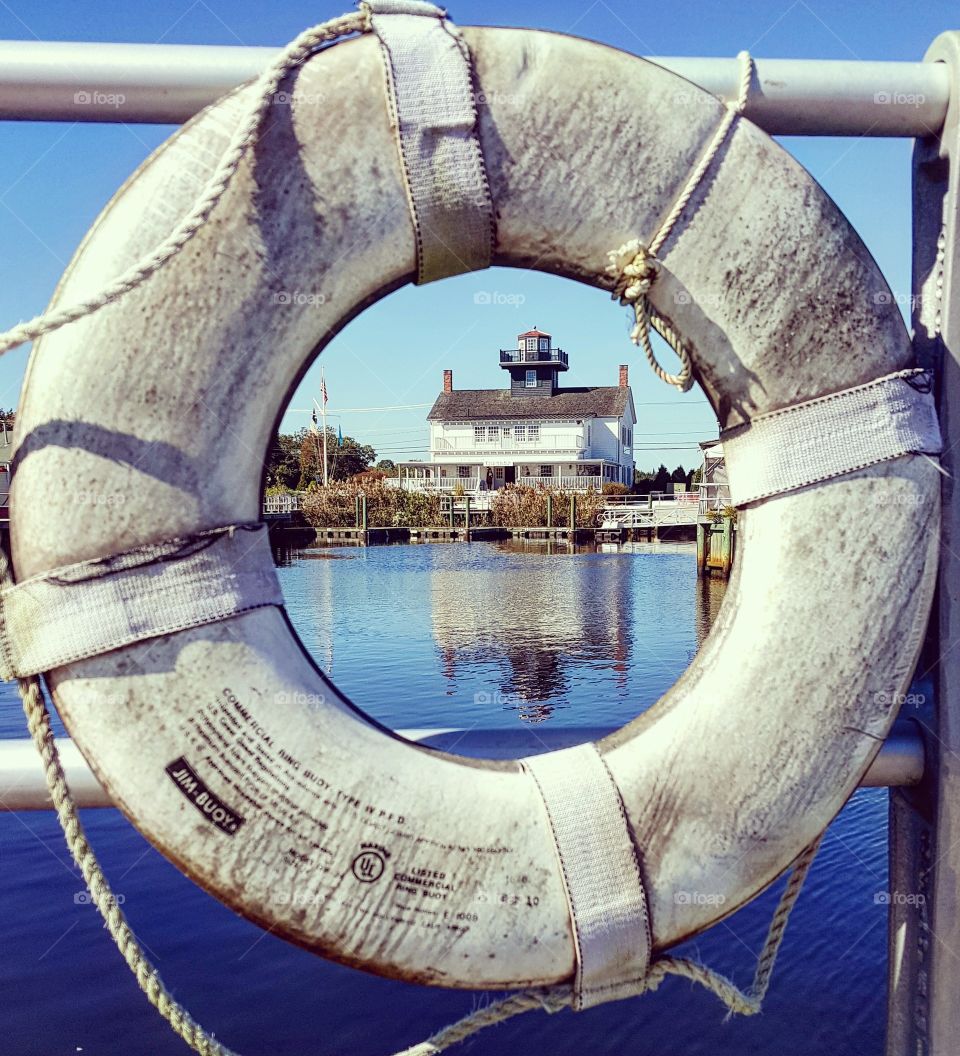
x=573, y=512
x=549, y=511
x=923, y=1013
x=466, y=517
x=363, y=511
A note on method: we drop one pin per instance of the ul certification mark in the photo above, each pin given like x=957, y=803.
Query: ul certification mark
x=368, y=866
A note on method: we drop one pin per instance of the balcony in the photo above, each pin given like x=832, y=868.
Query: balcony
x=544, y=357
x=571, y=447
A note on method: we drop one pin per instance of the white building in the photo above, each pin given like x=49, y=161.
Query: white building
x=533, y=432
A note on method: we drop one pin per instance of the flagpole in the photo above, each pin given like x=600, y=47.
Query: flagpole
x=323, y=413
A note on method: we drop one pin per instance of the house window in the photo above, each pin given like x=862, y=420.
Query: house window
x=479, y=434
x=533, y=433
x=531, y=382
x=506, y=431
x=493, y=433
x=463, y=472
x=546, y=471
x=544, y=344
x=531, y=344
x=520, y=433
x=498, y=472
x=443, y=472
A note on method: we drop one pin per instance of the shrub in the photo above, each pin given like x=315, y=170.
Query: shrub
x=335, y=506
x=522, y=506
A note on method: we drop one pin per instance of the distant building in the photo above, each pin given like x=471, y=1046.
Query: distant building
x=533, y=432
x=714, y=487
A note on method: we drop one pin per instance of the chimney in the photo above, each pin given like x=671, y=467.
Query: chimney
x=448, y=381
x=624, y=383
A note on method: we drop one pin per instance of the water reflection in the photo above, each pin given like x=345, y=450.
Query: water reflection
x=710, y=592
x=499, y=635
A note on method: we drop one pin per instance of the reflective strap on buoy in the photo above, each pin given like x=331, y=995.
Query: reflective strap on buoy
x=434, y=112
x=827, y=437
x=601, y=873
x=93, y=607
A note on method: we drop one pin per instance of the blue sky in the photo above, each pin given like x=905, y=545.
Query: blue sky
x=56, y=177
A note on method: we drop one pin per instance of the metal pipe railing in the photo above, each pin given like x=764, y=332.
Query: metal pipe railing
x=22, y=786
x=169, y=83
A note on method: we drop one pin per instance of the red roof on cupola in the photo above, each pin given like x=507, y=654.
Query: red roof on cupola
x=535, y=333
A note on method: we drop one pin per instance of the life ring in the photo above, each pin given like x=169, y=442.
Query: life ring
x=172, y=397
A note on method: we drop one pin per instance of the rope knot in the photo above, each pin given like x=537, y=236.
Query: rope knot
x=634, y=269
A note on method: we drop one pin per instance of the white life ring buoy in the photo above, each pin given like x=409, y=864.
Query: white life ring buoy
x=144, y=422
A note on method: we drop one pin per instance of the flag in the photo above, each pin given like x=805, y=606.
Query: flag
x=323, y=388
x=339, y=437
x=314, y=416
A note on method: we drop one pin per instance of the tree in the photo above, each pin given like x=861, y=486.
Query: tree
x=8, y=417
x=343, y=459
x=387, y=465
x=643, y=481
x=662, y=480
x=679, y=475
x=283, y=462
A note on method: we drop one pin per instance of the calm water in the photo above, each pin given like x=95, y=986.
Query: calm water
x=488, y=635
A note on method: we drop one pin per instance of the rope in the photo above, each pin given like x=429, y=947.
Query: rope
x=292, y=56
x=552, y=999
x=635, y=266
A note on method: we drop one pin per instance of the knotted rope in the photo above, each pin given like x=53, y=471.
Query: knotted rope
x=634, y=267
x=553, y=999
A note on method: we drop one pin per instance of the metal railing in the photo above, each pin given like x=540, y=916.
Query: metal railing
x=169, y=83
x=273, y=504
x=543, y=355
x=899, y=763
x=546, y=443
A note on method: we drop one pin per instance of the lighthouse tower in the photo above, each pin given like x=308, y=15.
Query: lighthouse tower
x=534, y=365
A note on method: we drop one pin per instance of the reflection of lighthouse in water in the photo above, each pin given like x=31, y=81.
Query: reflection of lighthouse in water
x=530, y=623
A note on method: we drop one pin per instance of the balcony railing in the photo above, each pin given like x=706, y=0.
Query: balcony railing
x=471, y=485
x=274, y=504
x=539, y=355
x=546, y=443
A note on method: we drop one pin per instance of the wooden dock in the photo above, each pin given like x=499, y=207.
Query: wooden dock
x=716, y=546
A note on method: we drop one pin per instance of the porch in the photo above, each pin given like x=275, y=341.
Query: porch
x=478, y=478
